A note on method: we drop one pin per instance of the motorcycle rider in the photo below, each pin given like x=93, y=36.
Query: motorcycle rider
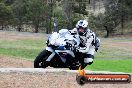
x=89, y=42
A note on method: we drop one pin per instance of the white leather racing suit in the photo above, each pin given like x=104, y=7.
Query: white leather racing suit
x=87, y=44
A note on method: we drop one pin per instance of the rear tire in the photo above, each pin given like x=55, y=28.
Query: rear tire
x=40, y=60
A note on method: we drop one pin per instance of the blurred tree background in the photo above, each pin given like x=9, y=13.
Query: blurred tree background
x=105, y=17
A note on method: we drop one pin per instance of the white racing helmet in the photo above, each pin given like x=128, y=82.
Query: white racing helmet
x=82, y=24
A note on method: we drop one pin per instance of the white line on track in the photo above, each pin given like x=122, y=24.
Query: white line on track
x=54, y=70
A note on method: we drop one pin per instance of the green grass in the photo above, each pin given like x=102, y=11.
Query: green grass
x=111, y=49
x=28, y=54
x=113, y=53
x=111, y=65
x=25, y=49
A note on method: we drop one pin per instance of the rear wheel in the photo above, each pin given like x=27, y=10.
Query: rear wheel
x=40, y=60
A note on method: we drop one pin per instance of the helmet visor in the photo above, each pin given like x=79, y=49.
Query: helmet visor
x=81, y=29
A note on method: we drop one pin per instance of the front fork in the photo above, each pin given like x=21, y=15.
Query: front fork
x=52, y=55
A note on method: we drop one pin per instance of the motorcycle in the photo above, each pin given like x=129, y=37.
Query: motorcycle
x=60, y=52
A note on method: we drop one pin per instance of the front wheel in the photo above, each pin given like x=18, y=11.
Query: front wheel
x=40, y=60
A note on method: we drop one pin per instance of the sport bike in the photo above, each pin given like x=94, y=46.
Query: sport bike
x=60, y=52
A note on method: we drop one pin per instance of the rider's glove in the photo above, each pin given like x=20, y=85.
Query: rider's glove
x=68, y=44
x=77, y=49
x=96, y=49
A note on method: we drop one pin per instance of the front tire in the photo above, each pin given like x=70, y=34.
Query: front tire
x=40, y=60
